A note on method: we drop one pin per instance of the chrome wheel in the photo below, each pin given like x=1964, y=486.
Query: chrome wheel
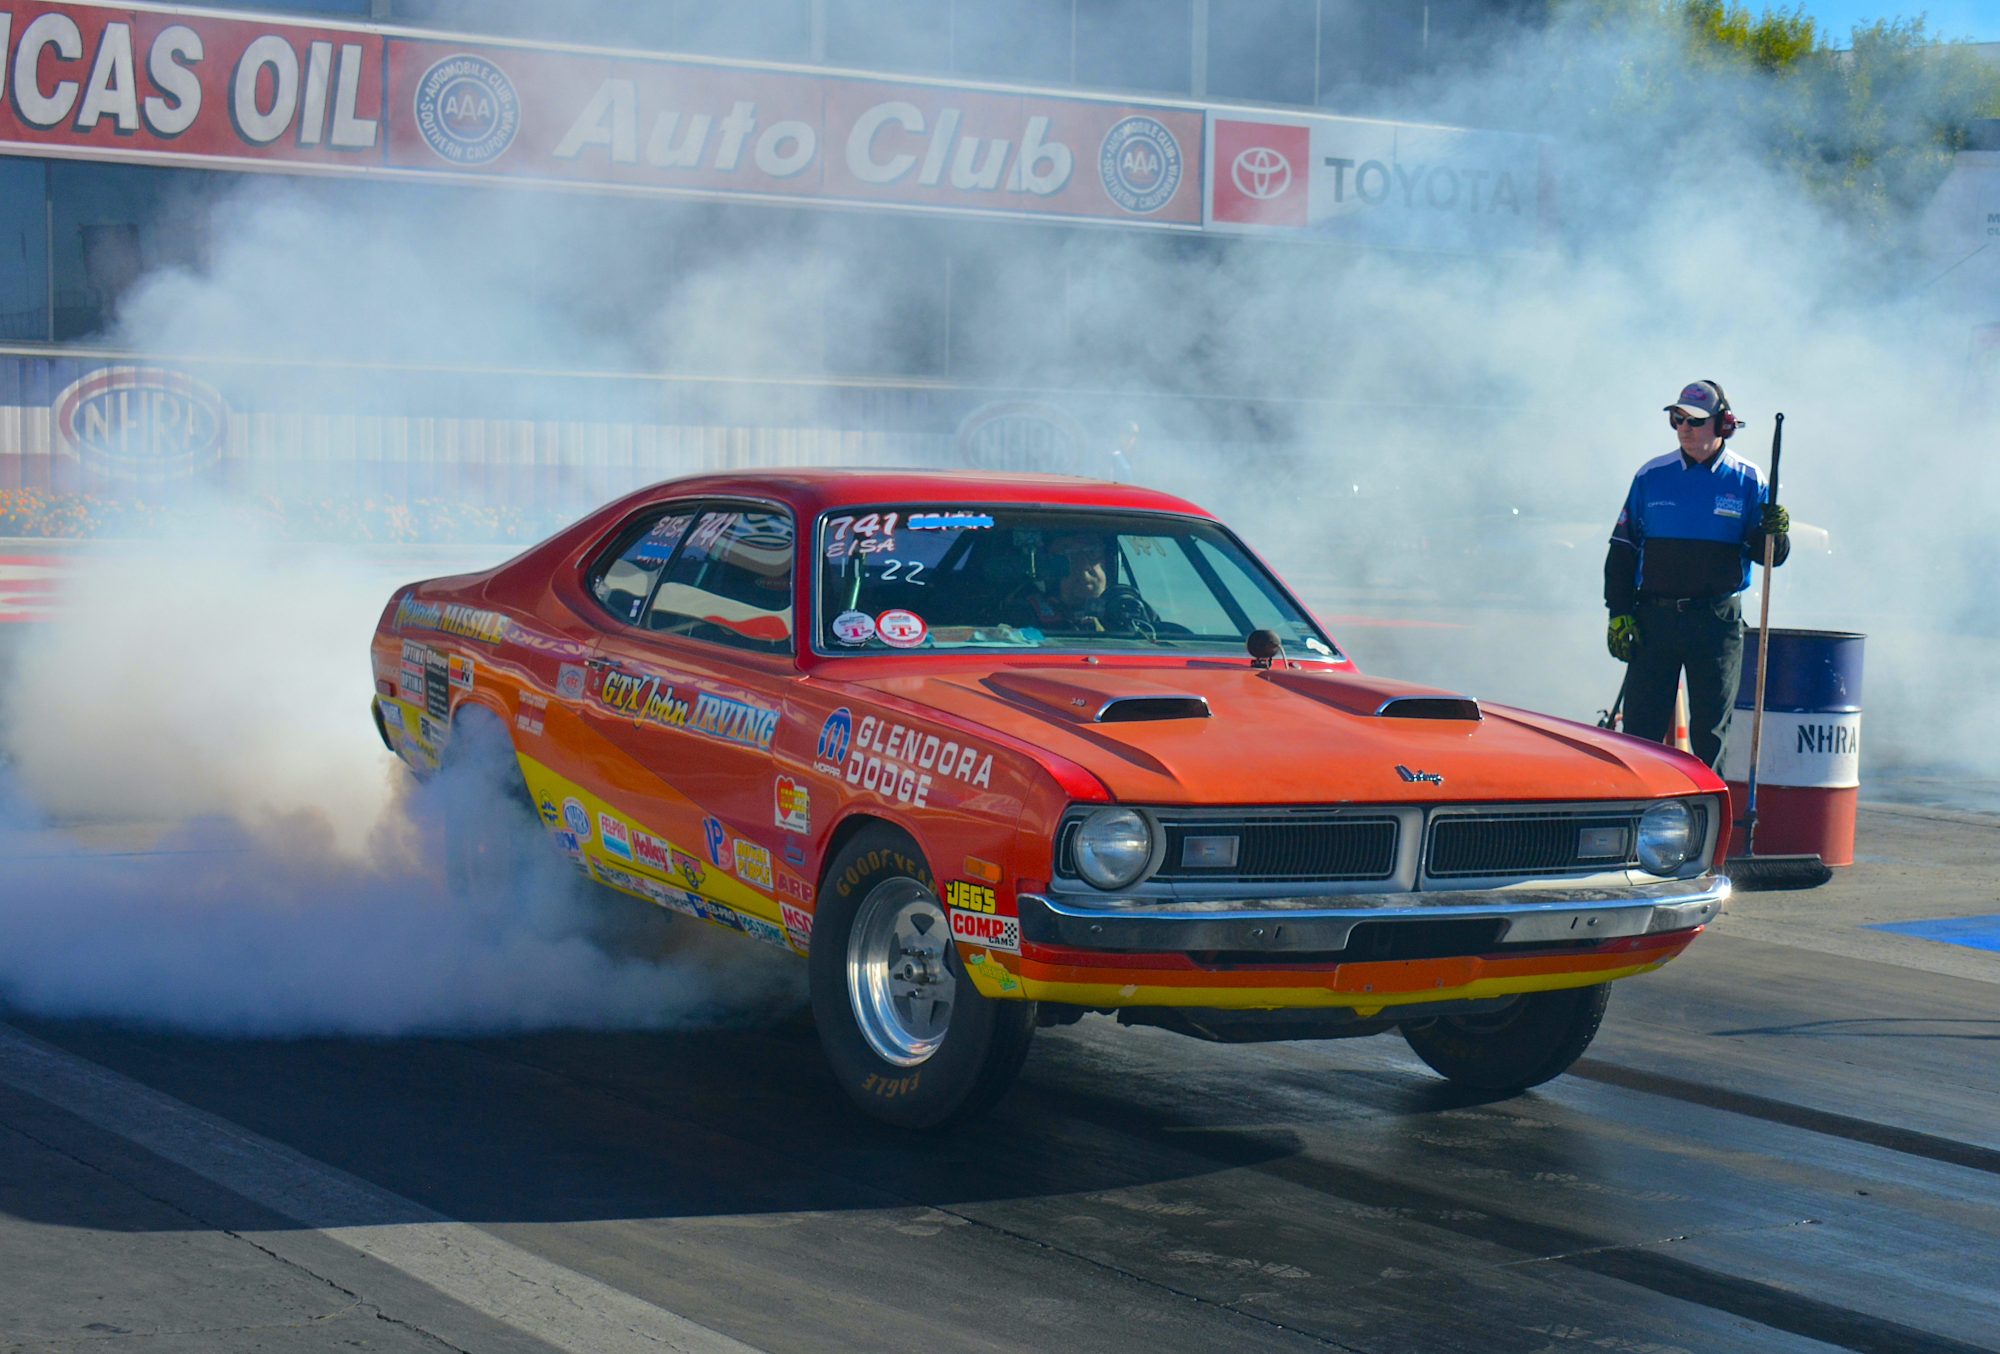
x=899, y=980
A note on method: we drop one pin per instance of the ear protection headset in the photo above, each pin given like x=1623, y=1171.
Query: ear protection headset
x=1726, y=422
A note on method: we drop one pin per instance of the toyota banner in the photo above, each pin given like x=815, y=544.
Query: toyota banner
x=1384, y=184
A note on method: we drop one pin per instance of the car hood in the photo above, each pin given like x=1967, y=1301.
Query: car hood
x=1298, y=736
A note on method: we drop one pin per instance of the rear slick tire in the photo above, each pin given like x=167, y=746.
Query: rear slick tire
x=910, y=1040
x=1525, y=1044
x=489, y=828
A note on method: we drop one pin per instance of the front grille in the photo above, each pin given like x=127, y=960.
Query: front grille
x=1466, y=846
x=1294, y=848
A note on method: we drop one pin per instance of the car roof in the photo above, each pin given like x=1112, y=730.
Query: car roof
x=819, y=489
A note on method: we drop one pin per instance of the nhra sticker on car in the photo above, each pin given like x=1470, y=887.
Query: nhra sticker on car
x=995, y=933
x=901, y=629
x=854, y=627
x=577, y=818
x=794, y=807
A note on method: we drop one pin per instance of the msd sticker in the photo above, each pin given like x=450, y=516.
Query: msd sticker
x=798, y=926
x=901, y=629
x=794, y=809
x=994, y=933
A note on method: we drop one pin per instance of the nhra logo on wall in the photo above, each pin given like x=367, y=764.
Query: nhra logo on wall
x=142, y=423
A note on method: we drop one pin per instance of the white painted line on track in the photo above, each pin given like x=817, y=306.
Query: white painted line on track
x=554, y=1304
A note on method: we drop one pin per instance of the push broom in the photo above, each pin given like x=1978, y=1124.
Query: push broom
x=1750, y=871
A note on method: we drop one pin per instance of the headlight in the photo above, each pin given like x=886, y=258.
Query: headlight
x=1666, y=837
x=1113, y=847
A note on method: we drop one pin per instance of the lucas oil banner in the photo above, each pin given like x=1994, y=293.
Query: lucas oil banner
x=173, y=86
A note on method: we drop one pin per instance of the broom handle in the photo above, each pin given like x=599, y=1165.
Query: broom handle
x=1763, y=650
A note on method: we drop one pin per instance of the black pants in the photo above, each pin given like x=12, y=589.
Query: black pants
x=1707, y=640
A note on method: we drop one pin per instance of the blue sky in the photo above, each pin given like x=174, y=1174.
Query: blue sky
x=1978, y=20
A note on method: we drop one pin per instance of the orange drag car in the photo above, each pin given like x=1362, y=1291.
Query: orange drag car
x=993, y=752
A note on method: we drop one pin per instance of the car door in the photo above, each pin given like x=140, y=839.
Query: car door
x=686, y=693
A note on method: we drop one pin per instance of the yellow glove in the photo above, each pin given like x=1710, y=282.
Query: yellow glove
x=1620, y=636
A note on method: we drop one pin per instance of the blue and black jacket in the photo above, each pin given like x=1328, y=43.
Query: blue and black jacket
x=1688, y=529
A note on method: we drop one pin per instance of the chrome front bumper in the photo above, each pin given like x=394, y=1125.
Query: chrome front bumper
x=1317, y=926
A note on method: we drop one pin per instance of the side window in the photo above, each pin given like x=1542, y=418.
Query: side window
x=731, y=583
x=624, y=574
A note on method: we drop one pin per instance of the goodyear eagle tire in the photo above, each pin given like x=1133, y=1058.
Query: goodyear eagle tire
x=910, y=1040
x=489, y=829
x=1523, y=1045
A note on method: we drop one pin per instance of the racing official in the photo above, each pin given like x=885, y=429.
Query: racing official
x=1680, y=558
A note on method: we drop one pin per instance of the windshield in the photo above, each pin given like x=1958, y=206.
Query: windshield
x=912, y=576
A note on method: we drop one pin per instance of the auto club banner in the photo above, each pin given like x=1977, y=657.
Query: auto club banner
x=1381, y=184
x=174, y=86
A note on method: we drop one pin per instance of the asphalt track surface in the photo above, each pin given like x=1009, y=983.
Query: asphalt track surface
x=1786, y=1140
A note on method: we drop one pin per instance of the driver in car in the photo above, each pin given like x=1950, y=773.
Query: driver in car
x=1083, y=598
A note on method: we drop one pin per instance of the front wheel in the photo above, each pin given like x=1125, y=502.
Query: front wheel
x=910, y=1040
x=1524, y=1044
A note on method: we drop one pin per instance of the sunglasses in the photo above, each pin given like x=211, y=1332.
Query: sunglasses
x=1682, y=420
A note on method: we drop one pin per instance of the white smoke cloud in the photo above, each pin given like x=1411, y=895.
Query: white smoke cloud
x=1444, y=445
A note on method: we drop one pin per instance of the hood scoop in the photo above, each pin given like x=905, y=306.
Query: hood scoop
x=1132, y=709
x=1377, y=697
x=1096, y=701
x=1430, y=707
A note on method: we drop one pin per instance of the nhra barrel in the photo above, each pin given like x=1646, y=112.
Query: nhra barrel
x=1810, y=774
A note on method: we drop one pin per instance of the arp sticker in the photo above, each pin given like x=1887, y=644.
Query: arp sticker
x=569, y=681
x=854, y=627
x=794, y=804
x=901, y=629
x=994, y=933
